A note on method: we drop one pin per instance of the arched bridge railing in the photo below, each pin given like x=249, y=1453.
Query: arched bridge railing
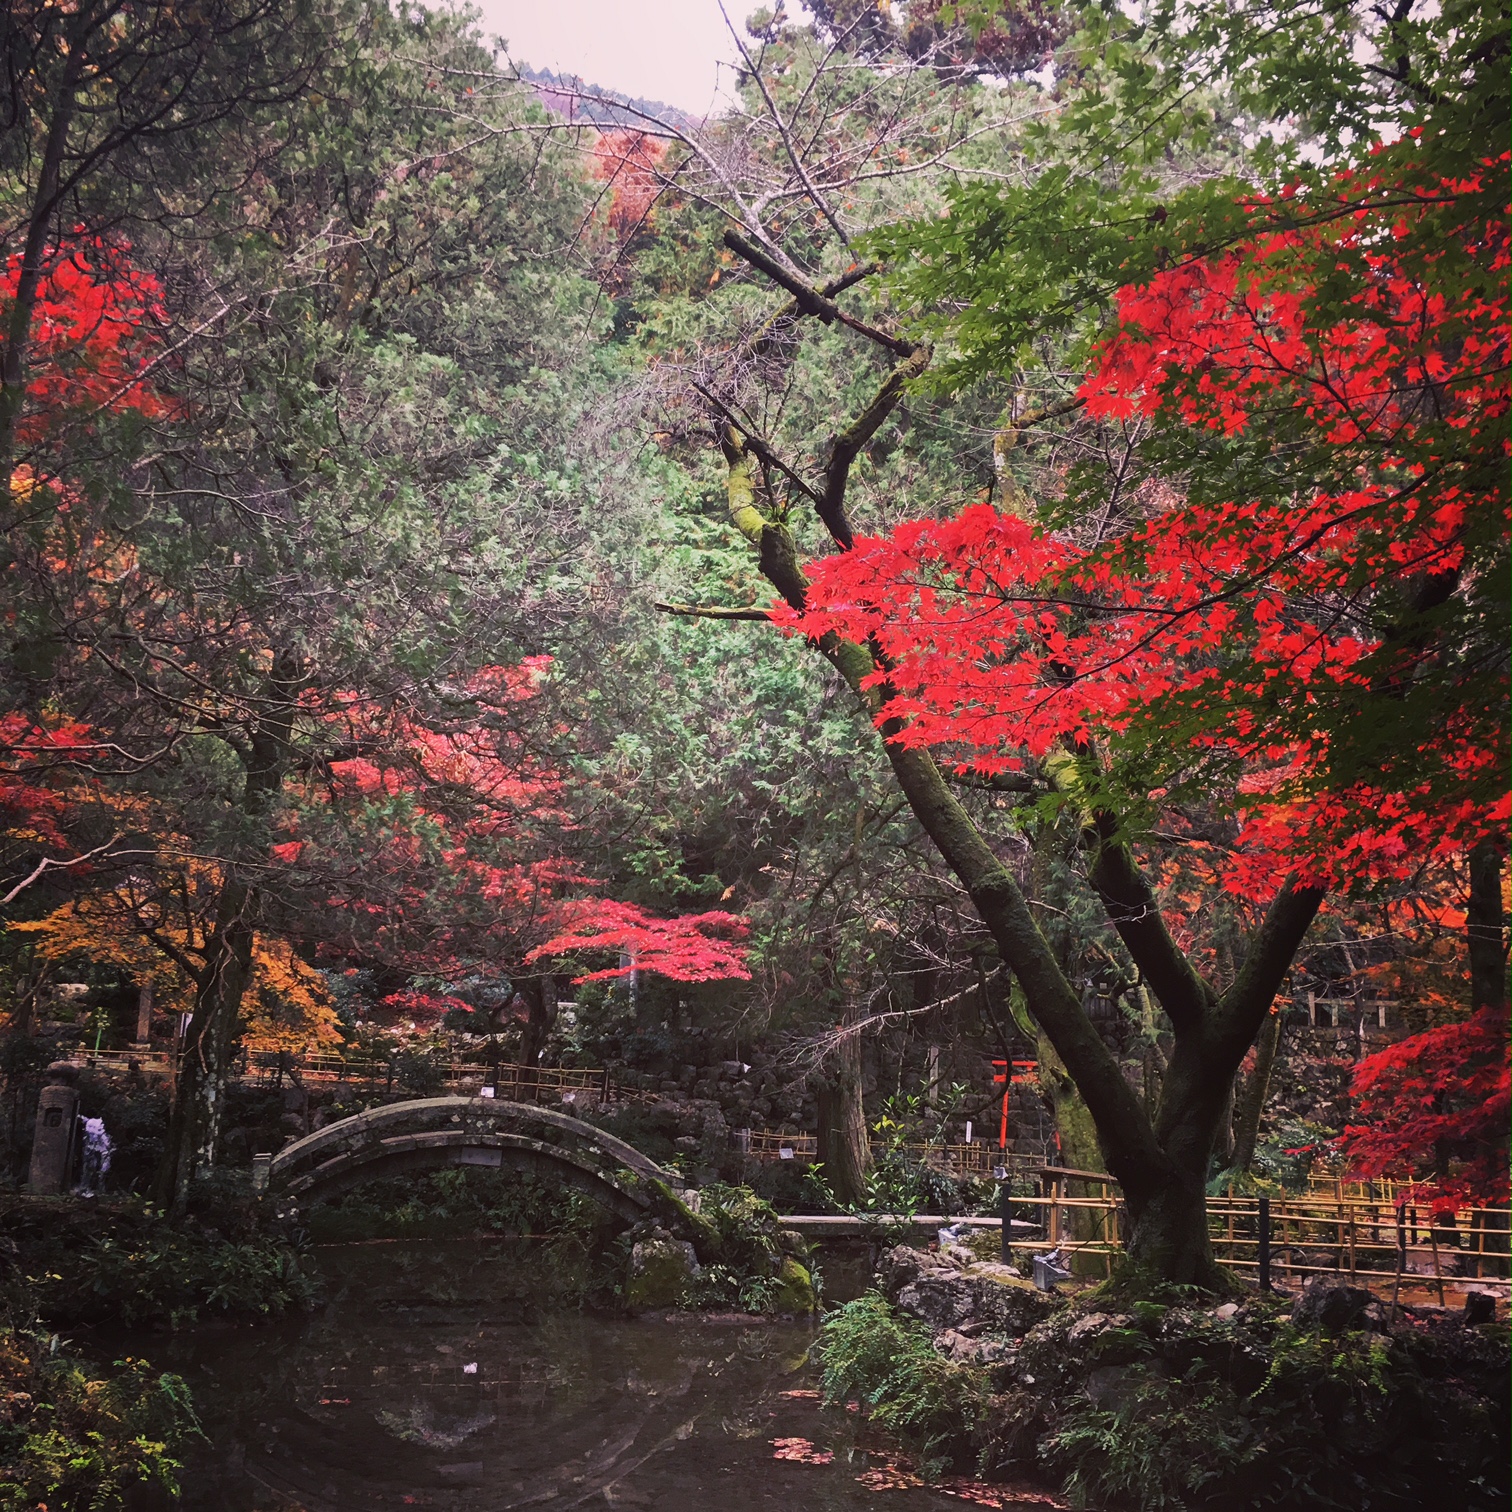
x=432, y=1132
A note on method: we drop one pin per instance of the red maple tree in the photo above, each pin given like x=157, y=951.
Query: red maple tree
x=1243, y=636
x=441, y=853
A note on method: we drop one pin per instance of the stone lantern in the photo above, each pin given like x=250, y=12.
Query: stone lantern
x=57, y=1118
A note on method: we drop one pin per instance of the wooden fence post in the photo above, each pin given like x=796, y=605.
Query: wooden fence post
x=1265, y=1238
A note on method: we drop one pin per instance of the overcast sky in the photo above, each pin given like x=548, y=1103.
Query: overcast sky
x=667, y=50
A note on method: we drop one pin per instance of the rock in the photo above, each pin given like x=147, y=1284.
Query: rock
x=660, y=1270
x=1327, y=1304
x=795, y=1288
x=957, y=1254
x=1480, y=1307
x=791, y=1242
x=996, y=1270
x=1226, y=1312
x=1090, y=1325
x=957, y=1346
x=903, y=1264
x=947, y=1298
x=1111, y=1386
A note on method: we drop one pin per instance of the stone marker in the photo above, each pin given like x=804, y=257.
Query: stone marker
x=53, y=1142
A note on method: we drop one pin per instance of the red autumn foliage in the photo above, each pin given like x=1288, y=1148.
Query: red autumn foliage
x=1337, y=384
x=630, y=161
x=1236, y=633
x=1436, y=1106
x=689, y=948
x=93, y=335
x=452, y=854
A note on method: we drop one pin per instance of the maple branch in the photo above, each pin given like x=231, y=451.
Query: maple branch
x=1128, y=1139
x=1272, y=947
x=713, y=611
x=845, y=445
x=994, y=782
x=784, y=133
x=809, y=300
x=817, y=1050
x=757, y=446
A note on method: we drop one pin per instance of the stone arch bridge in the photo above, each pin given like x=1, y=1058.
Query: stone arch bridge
x=426, y=1134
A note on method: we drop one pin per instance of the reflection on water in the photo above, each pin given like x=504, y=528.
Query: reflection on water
x=427, y=1383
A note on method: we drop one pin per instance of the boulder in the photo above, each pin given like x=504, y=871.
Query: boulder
x=1480, y=1307
x=660, y=1271
x=903, y=1264
x=795, y=1289
x=1328, y=1304
x=949, y=1298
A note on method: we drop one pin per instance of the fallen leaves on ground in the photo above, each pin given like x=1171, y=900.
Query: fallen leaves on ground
x=897, y=1474
x=802, y=1450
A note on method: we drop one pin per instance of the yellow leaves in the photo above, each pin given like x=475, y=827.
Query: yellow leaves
x=288, y=1006
x=88, y=928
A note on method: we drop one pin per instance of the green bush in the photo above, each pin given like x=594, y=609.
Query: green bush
x=1161, y=1446
x=71, y=1440
x=1260, y=1414
x=886, y=1361
x=159, y=1277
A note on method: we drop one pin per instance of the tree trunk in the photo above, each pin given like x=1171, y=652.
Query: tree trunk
x=1256, y=1089
x=13, y=357
x=540, y=1018
x=1170, y=1237
x=1485, y=936
x=194, y=1123
x=226, y=969
x=843, y=1138
x=1162, y=1169
x=1484, y=928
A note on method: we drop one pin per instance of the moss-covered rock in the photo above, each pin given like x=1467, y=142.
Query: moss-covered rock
x=947, y=1295
x=795, y=1289
x=662, y=1272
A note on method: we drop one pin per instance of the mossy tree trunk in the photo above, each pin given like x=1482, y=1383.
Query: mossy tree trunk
x=843, y=1137
x=541, y=1012
x=1252, y=1104
x=222, y=967
x=1160, y=1162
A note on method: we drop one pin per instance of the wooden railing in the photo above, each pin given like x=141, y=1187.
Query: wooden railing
x=976, y=1159
x=1368, y=1232
x=516, y=1083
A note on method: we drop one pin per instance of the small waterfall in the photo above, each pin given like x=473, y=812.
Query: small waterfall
x=97, y=1151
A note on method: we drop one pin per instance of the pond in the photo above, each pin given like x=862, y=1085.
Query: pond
x=426, y=1382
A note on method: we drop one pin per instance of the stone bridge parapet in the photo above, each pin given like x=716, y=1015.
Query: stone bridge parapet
x=433, y=1132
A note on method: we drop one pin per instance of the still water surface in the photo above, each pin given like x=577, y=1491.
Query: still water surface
x=427, y=1383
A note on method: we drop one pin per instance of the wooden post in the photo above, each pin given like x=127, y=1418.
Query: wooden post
x=144, y=1016
x=1265, y=1238
x=1339, y=1251
x=1401, y=1266
x=1438, y=1274
x=1005, y=1215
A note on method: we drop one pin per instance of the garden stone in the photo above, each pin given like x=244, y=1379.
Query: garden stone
x=950, y=1298
x=1480, y=1307
x=1327, y=1304
x=660, y=1272
x=795, y=1289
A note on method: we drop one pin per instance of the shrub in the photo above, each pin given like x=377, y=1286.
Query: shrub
x=158, y=1277
x=71, y=1439
x=887, y=1362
